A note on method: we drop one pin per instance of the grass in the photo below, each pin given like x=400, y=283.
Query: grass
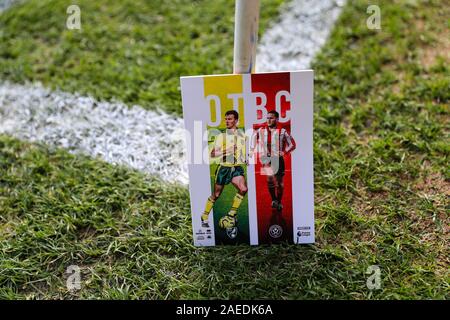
x=130, y=50
x=381, y=188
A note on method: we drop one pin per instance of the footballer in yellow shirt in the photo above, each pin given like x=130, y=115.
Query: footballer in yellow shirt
x=229, y=148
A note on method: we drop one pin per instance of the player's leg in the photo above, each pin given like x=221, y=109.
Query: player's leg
x=241, y=186
x=218, y=188
x=280, y=189
x=238, y=181
x=279, y=177
x=271, y=182
x=272, y=186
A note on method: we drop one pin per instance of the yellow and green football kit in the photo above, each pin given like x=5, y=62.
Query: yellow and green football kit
x=230, y=163
x=230, y=166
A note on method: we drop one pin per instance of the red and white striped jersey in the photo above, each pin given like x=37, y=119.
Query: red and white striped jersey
x=265, y=144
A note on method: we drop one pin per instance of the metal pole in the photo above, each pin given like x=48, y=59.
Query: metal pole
x=245, y=35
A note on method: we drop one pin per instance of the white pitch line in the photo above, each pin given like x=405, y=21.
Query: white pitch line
x=150, y=141
x=5, y=4
x=303, y=29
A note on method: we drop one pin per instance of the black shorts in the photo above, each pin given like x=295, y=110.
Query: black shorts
x=277, y=165
x=224, y=174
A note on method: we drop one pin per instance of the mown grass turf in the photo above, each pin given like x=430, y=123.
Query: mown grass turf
x=130, y=50
x=381, y=192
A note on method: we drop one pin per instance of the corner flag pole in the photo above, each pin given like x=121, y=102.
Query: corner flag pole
x=245, y=35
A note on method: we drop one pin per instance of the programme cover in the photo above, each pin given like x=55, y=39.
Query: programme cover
x=250, y=157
